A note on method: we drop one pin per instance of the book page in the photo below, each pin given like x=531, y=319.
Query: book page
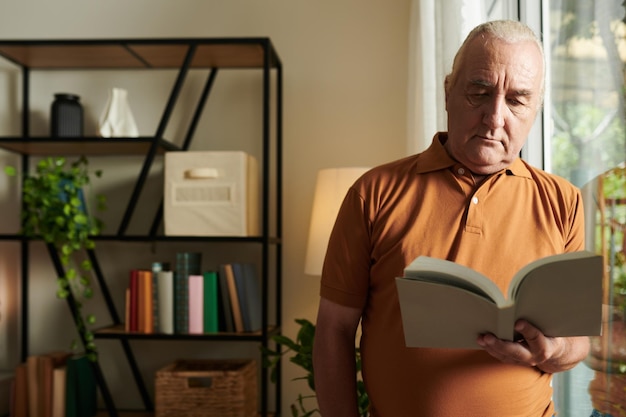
x=563, y=298
x=441, y=316
x=425, y=268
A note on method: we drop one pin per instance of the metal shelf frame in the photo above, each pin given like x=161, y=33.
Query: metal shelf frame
x=185, y=54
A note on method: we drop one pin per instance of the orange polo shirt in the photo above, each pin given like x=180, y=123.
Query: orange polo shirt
x=427, y=204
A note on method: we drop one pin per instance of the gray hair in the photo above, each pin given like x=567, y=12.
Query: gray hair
x=510, y=31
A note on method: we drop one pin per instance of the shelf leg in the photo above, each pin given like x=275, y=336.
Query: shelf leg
x=80, y=324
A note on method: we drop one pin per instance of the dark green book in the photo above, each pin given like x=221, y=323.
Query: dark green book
x=211, y=305
x=80, y=388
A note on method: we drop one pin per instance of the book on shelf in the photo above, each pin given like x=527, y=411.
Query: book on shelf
x=187, y=263
x=249, y=293
x=156, y=268
x=447, y=305
x=80, y=388
x=35, y=404
x=165, y=300
x=40, y=382
x=210, y=302
x=233, y=298
x=227, y=323
x=131, y=301
x=196, y=304
x=59, y=378
x=19, y=402
x=48, y=364
x=144, y=301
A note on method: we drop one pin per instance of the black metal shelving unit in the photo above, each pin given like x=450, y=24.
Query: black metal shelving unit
x=183, y=55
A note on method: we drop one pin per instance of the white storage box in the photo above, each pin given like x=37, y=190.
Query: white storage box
x=211, y=194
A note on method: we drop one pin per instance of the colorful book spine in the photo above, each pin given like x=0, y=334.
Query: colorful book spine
x=227, y=313
x=80, y=389
x=133, y=297
x=196, y=304
x=249, y=293
x=156, y=268
x=253, y=297
x=240, y=284
x=144, y=304
x=165, y=282
x=234, y=298
x=211, y=303
x=187, y=263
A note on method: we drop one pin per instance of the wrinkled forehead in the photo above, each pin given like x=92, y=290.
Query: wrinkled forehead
x=493, y=60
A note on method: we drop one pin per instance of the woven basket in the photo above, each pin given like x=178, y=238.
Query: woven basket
x=207, y=388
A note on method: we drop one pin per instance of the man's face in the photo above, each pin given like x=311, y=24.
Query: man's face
x=493, y=102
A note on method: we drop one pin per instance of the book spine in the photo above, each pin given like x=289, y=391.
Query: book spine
x=133, y=300
x=34, y=397
x=19, y=404
x=149, y=304
x=254, y=297
x=227, y=313
x=196, y=304
x=211, y=304
x=165, y=282
x=240, y=283
x=58, y=391
x=234, y=299
x=144, y=302
x=187, y=263
x=81, y=389
x=156, y=268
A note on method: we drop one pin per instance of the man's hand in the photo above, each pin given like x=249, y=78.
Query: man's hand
x=549, y=354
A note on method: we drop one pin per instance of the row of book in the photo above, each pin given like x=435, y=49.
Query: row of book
x=55, y=384
x=188, y=301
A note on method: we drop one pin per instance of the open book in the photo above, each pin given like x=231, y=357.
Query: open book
x=447, y=305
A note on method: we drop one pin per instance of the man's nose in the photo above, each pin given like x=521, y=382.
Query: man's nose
x=494, y=112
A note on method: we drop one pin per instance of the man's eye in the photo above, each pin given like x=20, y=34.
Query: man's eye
x=478, y=97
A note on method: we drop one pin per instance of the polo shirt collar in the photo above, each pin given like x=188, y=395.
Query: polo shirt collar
x=435, y=158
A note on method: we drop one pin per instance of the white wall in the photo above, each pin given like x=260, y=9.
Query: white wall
x=345, y=79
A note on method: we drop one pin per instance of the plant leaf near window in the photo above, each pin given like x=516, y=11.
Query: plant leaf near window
x=54, y=209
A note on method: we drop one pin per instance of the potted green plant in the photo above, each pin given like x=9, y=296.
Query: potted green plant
x=300, y=352
x=54, y=209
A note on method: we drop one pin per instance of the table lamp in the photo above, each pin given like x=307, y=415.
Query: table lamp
x=330, y=190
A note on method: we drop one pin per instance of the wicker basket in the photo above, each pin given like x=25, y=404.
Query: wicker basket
x=207, y=388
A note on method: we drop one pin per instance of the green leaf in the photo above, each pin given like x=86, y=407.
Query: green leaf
x=10, y=170
x=70, y=274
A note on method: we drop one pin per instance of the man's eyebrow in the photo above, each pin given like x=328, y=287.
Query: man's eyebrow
x=481, y=83
x=523, y=92
x=486, y=84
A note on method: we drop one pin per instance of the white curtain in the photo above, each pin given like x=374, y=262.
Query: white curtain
x=437, y=30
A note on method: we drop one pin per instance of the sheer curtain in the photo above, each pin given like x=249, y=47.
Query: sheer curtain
x=437, y=30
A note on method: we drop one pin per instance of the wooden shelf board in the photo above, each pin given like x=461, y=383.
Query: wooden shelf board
x=104, y=413
x=118, y=332
x=139, y=53
x=83, y=146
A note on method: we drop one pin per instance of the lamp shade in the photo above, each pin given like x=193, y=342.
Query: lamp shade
x=330, y=190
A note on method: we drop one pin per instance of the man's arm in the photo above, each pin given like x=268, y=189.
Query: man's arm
x=549, y=354
x=334, y=362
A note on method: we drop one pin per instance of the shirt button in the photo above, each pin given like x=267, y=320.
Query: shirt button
x=461, y=171
x=475, y=200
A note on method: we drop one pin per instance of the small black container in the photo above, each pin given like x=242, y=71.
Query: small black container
x=66, y=118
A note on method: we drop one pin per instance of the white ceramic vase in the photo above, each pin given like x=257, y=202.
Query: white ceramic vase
x=117, y=119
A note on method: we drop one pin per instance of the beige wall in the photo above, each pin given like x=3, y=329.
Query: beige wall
x=345, y=81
